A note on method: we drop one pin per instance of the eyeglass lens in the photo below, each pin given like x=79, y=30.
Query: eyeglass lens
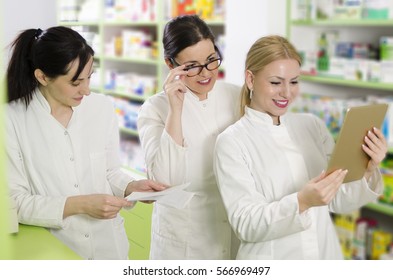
x=195, y=70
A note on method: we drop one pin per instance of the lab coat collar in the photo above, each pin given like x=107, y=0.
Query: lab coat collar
x=41, y=100
x=261, y=117
x=44, y=103
x=195, y=97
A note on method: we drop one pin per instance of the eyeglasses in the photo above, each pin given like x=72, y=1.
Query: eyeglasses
x=194, y=70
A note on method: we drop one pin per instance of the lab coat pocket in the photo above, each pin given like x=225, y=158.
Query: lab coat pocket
x=169, y=232
x=98, y=171
x=164, y=248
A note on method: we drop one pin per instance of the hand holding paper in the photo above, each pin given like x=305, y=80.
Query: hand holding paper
x=173, y=196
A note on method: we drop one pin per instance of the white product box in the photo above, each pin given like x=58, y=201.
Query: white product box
x=387, y=71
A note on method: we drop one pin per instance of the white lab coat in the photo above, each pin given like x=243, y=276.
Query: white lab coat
x=201, y=230
x=260, y=168
x=48, y=163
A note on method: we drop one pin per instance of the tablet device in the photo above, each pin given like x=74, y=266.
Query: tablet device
x=348, y=153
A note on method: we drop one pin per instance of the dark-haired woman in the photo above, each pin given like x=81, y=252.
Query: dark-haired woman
x=178, y=129
x=62, y=145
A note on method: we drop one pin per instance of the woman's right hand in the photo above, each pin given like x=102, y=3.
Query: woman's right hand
x=320, y=190
x=99, y=206
x=175, y=88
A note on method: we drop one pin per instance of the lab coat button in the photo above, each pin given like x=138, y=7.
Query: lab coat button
x=71, y=158
x=65, y=133
x=76, y=185
x=87, y=235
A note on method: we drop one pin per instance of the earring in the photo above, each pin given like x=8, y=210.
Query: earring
x=251, y=93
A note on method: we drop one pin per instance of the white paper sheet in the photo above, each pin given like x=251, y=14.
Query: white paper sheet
x=173, y=196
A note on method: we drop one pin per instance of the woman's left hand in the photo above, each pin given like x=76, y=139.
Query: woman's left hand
x=376, y=147
x=144, y=185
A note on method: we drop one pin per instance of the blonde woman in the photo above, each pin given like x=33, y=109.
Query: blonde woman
x=269, y=165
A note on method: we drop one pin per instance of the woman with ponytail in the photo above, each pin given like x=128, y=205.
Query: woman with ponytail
x=62, y=145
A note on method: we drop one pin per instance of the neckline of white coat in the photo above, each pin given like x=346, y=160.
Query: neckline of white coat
x=262, y=117
x=44, y=103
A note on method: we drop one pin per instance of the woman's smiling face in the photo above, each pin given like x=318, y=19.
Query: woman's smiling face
x=199, y=54
x=274, y=87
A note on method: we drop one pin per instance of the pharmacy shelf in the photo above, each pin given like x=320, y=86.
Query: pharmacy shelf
x=380, y=26
x=95, y=89
x=129, y=131
x=215, y=22
x=131, y=23
x=342, y=23
x=381, y=207
x=349, y=83
x=80, y=23
x=145, y=61
x=130, y=96
x=139, y=175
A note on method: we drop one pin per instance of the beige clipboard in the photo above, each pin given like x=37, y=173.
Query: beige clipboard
x=348, y=153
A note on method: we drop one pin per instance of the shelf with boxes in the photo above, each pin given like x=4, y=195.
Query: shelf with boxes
x=126, y=36
x=347, y=44
x=362, y=237
x=131, y=73
x=349, y=63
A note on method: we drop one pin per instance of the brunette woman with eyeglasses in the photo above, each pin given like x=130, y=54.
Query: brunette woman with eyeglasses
x=178, y=129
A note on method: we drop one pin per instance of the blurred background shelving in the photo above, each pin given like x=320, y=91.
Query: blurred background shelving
x=347, y=52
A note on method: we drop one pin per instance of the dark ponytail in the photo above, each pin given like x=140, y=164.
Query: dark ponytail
x=51, y=51
x=20, y=73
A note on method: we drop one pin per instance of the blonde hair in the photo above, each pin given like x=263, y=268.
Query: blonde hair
x=264, y=51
